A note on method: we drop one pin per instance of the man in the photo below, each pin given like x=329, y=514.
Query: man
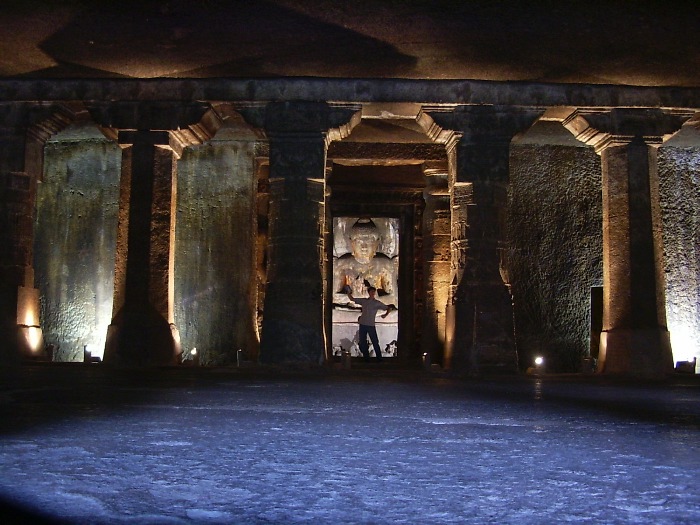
x=370, y=306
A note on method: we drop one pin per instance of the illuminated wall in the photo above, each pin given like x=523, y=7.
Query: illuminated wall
x=679, y=176
x=555, y=250
x=75, y=239
x=215, y=277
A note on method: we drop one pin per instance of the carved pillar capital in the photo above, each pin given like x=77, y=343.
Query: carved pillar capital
x=479, y=124
x=303, y=119
x=619, y=126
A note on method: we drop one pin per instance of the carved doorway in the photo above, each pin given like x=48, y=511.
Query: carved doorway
x=391, y=197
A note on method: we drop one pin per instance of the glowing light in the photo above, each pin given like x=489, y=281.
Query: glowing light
x=95, y=350
x=193, y=352
x=33, y=338
x=539, y=360
x=27, y=306
x=684, y=342
x=29, y=316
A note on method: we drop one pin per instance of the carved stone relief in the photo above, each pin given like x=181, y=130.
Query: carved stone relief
x=365, y=253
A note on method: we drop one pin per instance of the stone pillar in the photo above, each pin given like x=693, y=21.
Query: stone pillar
x=635, y=339
x=143, y=330
x=293, y=328
x=436, y=263
x=152, y=135
x=480, y=333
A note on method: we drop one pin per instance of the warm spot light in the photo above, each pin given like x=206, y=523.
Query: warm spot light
x=33, y=337
x=29, y=316
x=27, y=306
x=190, y=357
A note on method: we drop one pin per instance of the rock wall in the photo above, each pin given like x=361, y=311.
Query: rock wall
x=215, y=239
x=75, y=239
x=679, y=185
x=554, y=230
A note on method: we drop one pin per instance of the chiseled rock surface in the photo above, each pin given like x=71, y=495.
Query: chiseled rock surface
x=555, y=254
x=679, y=183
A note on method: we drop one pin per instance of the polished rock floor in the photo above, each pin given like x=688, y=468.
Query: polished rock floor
x=79, y=444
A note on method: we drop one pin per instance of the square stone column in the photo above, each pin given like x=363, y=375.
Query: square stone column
x=143, y=330
x=635, y=340
x=152, y=136
x=480, y=335
x=293, y=328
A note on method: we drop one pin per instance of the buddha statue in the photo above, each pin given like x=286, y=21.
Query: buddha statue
x=364, y=267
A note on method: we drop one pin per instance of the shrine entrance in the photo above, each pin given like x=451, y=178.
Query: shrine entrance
x=375, y=232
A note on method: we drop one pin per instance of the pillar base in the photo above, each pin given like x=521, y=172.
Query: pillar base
x=142, y=339
x=289, y=342
x=636, y=352
x=480, y=333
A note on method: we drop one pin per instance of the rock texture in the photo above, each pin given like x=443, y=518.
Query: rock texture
x=215, y=278
x=75, y=239
x=555, y=250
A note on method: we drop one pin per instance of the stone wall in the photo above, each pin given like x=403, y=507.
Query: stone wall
x=679, y=181
x=75, y=240
x=555, y=254
x=215, y=272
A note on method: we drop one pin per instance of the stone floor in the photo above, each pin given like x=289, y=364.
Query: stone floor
x=83, y=444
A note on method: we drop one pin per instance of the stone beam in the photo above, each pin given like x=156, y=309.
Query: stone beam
x=351, y=91
x=385, y=153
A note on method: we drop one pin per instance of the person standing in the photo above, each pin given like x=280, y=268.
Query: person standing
x=370, y=306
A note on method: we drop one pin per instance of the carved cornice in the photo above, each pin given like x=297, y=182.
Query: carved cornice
x=693, y=122
x=345, y=117
x=61, y=116
x=478, y=124
x=427, y=120
x=618, y=127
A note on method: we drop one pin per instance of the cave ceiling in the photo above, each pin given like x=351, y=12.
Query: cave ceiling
x=614, y=42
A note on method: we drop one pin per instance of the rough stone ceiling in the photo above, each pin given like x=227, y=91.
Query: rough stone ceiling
x=615, y=42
